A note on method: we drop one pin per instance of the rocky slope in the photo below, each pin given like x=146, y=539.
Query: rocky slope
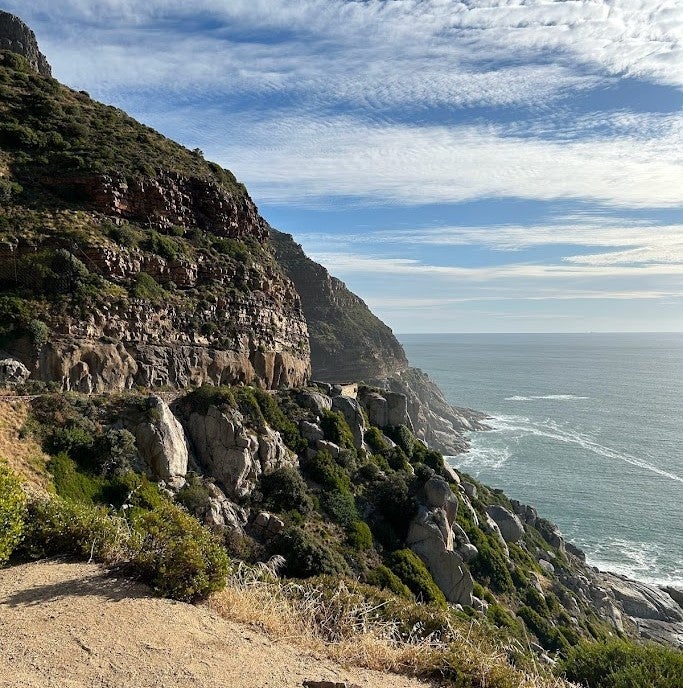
x=349, y=343
x=126, y=259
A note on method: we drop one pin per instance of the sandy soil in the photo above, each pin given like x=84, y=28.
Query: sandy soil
x=65, y=625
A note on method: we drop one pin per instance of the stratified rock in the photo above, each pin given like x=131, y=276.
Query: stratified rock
x=160, y=441
x=17, y=37
x=13, y=372
x=510, y=526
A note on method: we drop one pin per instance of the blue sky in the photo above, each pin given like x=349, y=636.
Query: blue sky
x=472, y=166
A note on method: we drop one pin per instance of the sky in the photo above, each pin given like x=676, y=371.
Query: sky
x=464, y=166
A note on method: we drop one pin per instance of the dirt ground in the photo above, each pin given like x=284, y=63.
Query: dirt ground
x=65, y=625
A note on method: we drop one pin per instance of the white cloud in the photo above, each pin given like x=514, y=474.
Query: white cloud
x=296, y=159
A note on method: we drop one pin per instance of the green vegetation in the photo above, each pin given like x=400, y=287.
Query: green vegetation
x=621, y=664
x=12, y=512
x=413, y=573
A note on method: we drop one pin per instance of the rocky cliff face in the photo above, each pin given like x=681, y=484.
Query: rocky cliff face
x=349, y=343
x=17, y=37
x=135, y=261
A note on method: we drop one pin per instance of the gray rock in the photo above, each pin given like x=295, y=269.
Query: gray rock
x=469, y=489
x=330, y=447
x=13, y=372
x=468, y=552
x=644, y=601
x=451, y=474
x=510, y=526
x=353, y=415
x=546, y=566
x=377, y=408
x=479, y=605
x=234, y=455
x=676, y=594
x=161, y=441
x=550, y=532
x=311, y=431
x=17, y=37
x=431, y=538
x=494, y=527
x=439, y=494
x=397, y=408
x=314, y=401
x=575, y=551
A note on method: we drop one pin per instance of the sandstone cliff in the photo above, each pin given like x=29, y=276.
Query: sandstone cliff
x=126, y=259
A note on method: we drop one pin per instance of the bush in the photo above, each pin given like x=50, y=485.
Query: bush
x=284, y=490
x=12, y=512
x=146, y=287
x=336, y=429
x=359, y=536
x=385, y=578
x=392, y=499
x=551, y=638
x=194, y=495
x=414, y=574
x=324, y=470
x=621, y=664
x=341, y=507
x=307, y=555
x=179, y=557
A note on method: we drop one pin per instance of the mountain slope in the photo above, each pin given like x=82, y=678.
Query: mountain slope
x=126, y=259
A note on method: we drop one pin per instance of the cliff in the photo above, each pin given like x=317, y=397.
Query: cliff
x=126, y=259
x=17, y=37
x=349, y=343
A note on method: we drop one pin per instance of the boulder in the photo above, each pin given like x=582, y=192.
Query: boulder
x=329, y=447
x=439, y=494
x=550, y=533
x=353, y=415
x=311, y=431
x=644, y=601
x=546, y=566
x=377, y=408
x=273, y=453
x=397, y=408
x=451, y=474
x=161, y=442
x=510, y=526
x=494, y=527
x=469, y=489
x=221, y=512
x=266, y=525
x=314, y=401
x=13, y=372
x=676, y=594
x=431, y=538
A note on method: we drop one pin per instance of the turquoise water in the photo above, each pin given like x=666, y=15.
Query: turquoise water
x=588, y=428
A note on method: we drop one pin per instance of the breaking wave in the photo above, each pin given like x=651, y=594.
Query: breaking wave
x=554, y=397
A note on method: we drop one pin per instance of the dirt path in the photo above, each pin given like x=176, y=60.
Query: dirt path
x=66, y=625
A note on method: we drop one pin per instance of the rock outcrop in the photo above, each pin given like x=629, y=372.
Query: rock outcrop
x=234, y=455
x=431, y=536
x=510, y=526
x=17, y=37
x=13, y=372
x=160, y=440
x=348, y=342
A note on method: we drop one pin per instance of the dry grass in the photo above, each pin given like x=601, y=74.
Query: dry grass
x=345, y=627
x=23, y=454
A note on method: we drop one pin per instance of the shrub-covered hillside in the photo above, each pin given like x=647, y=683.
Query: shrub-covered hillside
x=298, y=474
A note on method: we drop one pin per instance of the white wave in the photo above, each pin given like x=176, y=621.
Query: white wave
x=478, y=458
x=554, y=397
x=516, y=427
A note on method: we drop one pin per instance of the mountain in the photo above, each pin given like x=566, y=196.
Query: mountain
x=126, y=259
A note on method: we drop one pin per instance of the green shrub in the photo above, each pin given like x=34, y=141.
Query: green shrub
x=375, y=440
x=384, y=578
x=394, y=503
x=410, y=569
x=340, y=506
x=146, y=287
x=307, y=555
x=336, y=429
x=194, y=495
x=276, y=419
x=621, y=664
x=200, y=399
x=179, y=557
x=12, y=512
x=551, y=638
x=39, y=332
x=284, y=490
x=359, y=536
x=58, y=527
x=324, y=470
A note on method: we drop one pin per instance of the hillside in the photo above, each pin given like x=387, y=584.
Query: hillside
x=126, y=259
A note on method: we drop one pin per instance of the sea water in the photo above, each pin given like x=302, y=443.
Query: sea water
x=587, y=428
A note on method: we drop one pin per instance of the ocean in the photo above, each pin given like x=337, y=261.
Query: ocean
x=587, y=428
